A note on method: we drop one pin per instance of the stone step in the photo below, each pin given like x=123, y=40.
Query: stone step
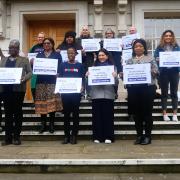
x=90, y=165
x=89, y=132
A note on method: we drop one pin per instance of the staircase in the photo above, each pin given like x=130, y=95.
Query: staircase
x=160, y=157
x=124, y=129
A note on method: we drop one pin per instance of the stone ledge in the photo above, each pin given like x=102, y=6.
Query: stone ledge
x=90, y=162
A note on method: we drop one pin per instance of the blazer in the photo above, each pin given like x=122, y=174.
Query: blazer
x=26, y=72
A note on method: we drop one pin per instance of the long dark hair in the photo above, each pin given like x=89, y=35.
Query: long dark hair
x=106, y=52
x=51, y=41
x=141, y=41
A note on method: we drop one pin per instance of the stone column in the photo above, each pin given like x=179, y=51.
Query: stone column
x=2, y=18
x=121, y=17
x=98, y=16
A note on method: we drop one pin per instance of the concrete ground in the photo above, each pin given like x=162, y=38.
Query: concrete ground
x=122, y=176
x=86, y=149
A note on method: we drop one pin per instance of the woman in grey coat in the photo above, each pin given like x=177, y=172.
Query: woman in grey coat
x=103, y=104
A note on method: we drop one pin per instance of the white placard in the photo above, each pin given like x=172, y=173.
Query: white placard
x=100, y=75
x=90, y=45
x=45, y=66
x=137, y=74
x=127, y=40
x=10, y=75
x=32, y=55
x=65, y=56
x=113, y=44
x=169, y=59
x=68, y=85
x=126, y=55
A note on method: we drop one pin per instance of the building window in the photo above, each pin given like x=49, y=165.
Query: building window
x=156, y=23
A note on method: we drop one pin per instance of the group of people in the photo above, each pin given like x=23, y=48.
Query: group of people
x=140, y=96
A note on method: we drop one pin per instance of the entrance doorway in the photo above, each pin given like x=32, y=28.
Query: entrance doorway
x=52, y=28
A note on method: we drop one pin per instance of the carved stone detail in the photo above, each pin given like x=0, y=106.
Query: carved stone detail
x=98, y=16
x=121, y=16
x=2, y=18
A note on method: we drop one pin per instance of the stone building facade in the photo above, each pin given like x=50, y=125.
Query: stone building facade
x=22, y=19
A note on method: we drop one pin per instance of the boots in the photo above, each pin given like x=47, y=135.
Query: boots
x=51, y=122
x=51, y=126
x=43, y=125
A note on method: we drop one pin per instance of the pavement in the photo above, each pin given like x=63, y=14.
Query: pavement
x=99, y=176
x=86, y=149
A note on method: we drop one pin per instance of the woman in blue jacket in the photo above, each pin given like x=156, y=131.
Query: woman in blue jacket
x=168, y=75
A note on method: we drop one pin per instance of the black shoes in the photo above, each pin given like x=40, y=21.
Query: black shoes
x=9, y=142
x=146, y=141
x=142, y=140
x=43, y=127
x=72, y=140
x=1, y=129
x=131, y=117
x=66, y=140
x=138, y=140
x=51, y=126
x=17, y=141
x=6, y=142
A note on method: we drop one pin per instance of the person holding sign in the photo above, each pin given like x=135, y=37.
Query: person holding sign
x=103, y=102
x=46, y=101
x=37, y=48
x=69, y=41
x=89, y=56
x=71, y=101
x=13, y=94
x=141, y=96
x=168, y=74
x=116, y=56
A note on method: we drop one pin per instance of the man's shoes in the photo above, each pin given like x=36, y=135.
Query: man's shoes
x=146, y=141
x=138, y=140
x=73, y=140
x=17, y=141
x=6, y=142
x=66, y=140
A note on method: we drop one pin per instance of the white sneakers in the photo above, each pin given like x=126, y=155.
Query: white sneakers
x=174, y=118
x=166, y=117
x=107, y=141
x=96, y=141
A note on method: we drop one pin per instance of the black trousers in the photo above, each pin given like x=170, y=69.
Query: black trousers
x=141, y=98
x=71, y=103
x=129, y=103
x=1, y=99
x=13, y=102
x=169, y=77
x=103, y=119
